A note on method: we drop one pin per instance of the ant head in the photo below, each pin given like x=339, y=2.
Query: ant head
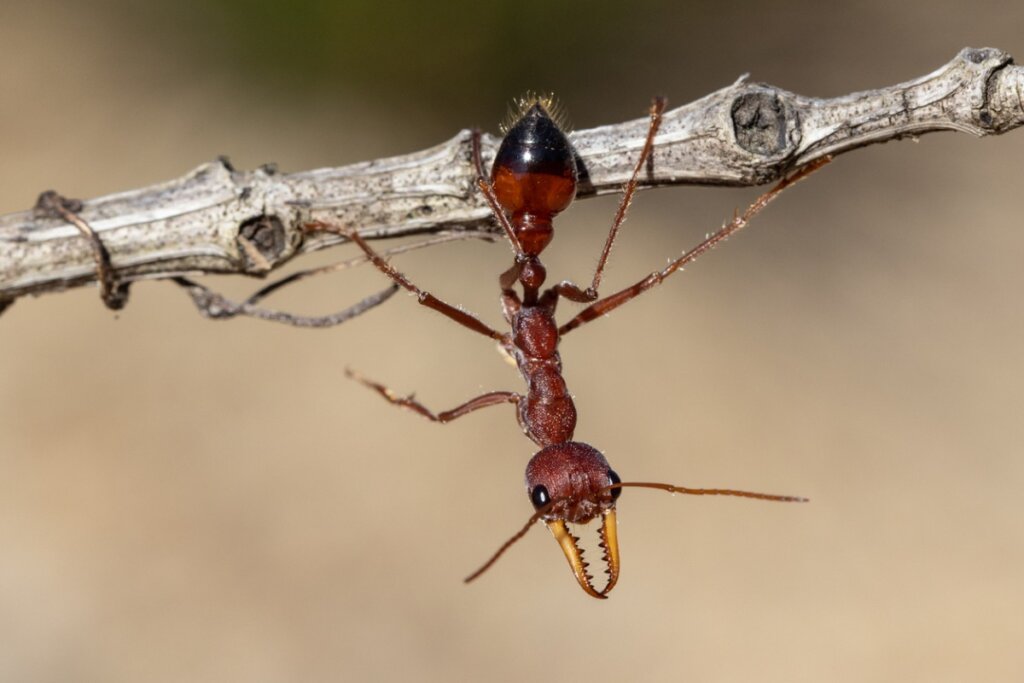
x=576, y=477
x=534, y=174
x=569, y=482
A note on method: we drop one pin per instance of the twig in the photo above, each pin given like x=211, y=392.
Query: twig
x=51, y=204
x=218, y=307
x=220, y=220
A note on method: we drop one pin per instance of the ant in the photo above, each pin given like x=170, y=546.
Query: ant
x=534, y=178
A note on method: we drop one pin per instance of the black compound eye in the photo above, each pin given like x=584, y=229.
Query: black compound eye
x=614, y=479
x=539, y=496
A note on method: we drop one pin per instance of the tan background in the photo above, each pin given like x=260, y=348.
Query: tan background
x=184, y=500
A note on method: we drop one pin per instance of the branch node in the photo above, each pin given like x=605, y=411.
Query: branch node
x=262, y=241
x=760, y=120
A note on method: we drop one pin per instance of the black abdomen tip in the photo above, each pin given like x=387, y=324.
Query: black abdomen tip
x=535, y=144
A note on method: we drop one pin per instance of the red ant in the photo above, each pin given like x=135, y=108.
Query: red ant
x=533, y=179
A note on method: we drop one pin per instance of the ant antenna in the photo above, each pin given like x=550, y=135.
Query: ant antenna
x=671, y=488
x=515, y=537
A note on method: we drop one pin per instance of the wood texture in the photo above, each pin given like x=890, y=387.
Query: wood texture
x=217, y=219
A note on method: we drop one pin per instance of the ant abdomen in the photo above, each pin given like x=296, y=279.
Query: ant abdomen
x=534, y=176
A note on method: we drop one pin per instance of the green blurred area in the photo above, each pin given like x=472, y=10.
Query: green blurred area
x=437, y=55
x=431, y=60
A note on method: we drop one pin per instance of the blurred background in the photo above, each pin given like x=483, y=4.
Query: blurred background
x=187, y=500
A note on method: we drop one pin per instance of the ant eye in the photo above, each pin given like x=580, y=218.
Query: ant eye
x=614, y=479
x=539, y=496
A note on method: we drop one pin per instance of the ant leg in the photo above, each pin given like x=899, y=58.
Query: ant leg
x=510, y=305
x=492, y=201
x=492, y=398
x=265, y=291
x=572, y=291
x=218, y=307
x=610, y=303
x=425, y=298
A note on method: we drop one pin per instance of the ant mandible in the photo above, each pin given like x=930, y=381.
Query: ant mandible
x=533, y=179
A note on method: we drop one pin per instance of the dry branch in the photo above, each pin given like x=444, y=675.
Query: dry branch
x=221, y=220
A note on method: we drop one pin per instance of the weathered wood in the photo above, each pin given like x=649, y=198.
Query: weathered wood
x=220, y=220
